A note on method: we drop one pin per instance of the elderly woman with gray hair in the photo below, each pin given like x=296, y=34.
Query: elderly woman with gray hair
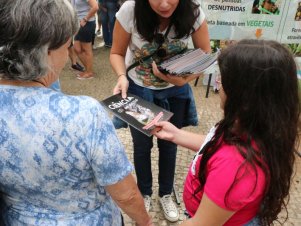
x=61, y=162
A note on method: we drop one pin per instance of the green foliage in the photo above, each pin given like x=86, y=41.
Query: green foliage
x=215, y=45
x=295, y=48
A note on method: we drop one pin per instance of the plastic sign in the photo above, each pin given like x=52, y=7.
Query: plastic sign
x=257, y=19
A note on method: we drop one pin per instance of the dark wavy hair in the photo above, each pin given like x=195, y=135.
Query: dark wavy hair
x=183, y=19
x=259, y=79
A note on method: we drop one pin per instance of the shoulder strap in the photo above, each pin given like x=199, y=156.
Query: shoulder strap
x=142, y=59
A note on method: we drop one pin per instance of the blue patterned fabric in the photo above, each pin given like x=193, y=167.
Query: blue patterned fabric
x=56, y=86
x=57, y=152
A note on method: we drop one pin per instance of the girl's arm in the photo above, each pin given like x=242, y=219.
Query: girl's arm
x=208, y=213
x=121, y=40
x=200, y=39
x=167, y=131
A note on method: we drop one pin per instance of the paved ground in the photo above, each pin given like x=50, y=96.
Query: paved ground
x=209, y=113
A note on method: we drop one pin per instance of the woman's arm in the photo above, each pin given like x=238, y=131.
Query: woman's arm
x=200, y=38
x=167, y=131
x=128, y=197
x=208, y=214
x=121, y=40
x=93, y=9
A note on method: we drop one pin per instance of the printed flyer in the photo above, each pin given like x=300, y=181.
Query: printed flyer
x=137, y=112
x=278, y=20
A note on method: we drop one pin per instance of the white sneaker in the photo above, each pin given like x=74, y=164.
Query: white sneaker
x=99, y=33
x=147, y=202
x=99, y=45
x=169, y=208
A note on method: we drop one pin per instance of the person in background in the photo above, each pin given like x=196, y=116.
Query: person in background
x=242, y=171
x=61, y=162
x=160, y=28
x=98, y=33
x=83, y=40
x=99, y=29
x=108, y=10
x=73, y=59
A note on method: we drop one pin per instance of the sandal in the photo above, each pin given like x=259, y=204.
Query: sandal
x=83, y=76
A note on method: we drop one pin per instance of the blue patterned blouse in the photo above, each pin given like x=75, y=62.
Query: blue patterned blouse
x=57, y=153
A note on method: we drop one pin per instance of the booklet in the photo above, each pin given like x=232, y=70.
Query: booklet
x=137, y=112
x=194, y=61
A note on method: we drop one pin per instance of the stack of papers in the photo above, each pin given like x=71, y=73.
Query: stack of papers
x=193, y=61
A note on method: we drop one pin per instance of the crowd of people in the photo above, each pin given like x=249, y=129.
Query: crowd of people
x=91, y=14
x=61, y=161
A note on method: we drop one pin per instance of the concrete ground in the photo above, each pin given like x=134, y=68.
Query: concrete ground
x=209, y=113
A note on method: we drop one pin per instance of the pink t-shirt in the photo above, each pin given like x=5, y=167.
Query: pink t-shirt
x=244, y=198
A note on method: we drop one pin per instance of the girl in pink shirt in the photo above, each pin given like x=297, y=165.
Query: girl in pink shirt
x=241, y=174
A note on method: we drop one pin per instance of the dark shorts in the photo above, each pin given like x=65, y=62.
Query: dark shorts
x=86, y=33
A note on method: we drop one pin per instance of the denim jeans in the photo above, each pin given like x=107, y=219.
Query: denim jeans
x=167, y=150
x=108, y=20
x=253, y=222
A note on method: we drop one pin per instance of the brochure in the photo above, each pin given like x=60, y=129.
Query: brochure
x=194, y=61
x=137, y=112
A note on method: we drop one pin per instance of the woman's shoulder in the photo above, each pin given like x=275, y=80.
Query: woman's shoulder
x=128, y=5
x=125, y=15
x=82, y=103
x=227, y=154
x=79, y=98
x=230, y=155
x=200, y=19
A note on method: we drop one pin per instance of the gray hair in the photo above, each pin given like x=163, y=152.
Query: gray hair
x=28, y=30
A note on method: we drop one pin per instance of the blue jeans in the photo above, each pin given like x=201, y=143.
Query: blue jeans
x=167, y=150
x=253, y=222
x=108, y=20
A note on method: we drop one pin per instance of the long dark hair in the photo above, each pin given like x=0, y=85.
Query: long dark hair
x=183, y=19
x=259, y=79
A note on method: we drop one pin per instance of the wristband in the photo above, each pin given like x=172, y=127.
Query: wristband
x=120, y=74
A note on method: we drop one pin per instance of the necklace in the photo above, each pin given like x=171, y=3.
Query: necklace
x=39, y=82
x=32, y=83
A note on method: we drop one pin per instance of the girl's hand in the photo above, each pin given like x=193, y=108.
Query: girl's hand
x=165, y=130
x=175, y=80
x=121, y=86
